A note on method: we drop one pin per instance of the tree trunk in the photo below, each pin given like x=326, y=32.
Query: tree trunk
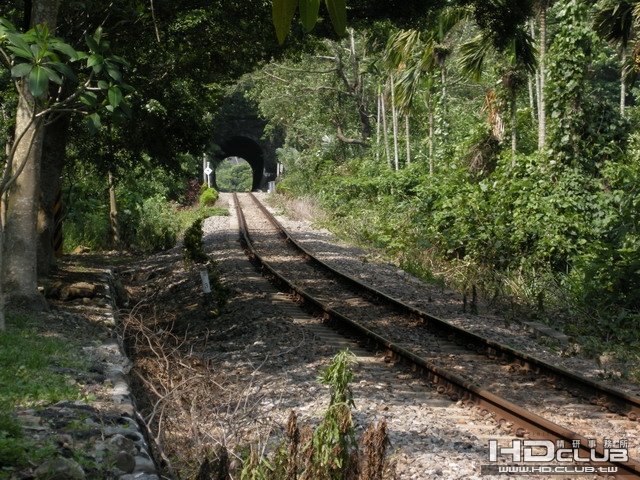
x=394, y=120
x=378, y=121
x=113, y=212
x=53, y=156
x=19, y=265
x=514, y=127
x=542, y=116
x=407, y=137
x=20, y=245
x=385, y=130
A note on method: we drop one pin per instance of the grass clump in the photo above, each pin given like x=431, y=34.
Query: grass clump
x=31, y=359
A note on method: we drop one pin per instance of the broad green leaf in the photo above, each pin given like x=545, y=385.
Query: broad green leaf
x=96, y=62
x=64, y=70
x=52, y=75
x=309, y=13
x=67, y=49
x=282, y=14
x=6, y=26
x=89, y=98
x=102, y=85
x=119, y=59
x=115, y=96
x=21, y=69
x=92, y=44
x=38, y=80
x=19, y=46
x=113, y=71
x=338, y=14
x=37, y=51
x=93, y=123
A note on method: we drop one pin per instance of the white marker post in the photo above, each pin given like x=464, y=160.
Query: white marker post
x=206, y=287
x=208, y=172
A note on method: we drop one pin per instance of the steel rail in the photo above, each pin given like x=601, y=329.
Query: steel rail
x=614, y=400
x=527, y=423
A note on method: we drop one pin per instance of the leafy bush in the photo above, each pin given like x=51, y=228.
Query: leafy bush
x=146, y=225
x=192, y=193
x=193, y=244
x=157, y=229
x=208, y=197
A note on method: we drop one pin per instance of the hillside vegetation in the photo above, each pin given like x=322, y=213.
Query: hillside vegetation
x=489, y=145
x=439, y=146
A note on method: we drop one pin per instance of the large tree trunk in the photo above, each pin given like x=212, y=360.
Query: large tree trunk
x=542, y=48
x=53, y=156
x=623, y=82
x=20, y=252
x=116, y=239
x=19, y=265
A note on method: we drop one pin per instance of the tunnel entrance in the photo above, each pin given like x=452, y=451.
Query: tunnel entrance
x=234, y=174
x=248, y=150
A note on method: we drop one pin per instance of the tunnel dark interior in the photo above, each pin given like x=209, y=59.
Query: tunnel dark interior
x=248, y=149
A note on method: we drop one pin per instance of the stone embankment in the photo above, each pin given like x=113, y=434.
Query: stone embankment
x=100, y=437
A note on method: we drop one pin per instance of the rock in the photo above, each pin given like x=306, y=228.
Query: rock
x=119, y=442
x=66, y=292
x=78, y=290
x=60, y=469
x=145, y=465
x=124, y=461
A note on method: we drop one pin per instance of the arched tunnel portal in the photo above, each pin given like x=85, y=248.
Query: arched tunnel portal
x=250, y=150
x=244, y=147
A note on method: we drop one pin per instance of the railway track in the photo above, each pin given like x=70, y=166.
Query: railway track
x=523, y=393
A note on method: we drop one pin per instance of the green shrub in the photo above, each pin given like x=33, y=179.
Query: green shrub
x=208, y=197
x=157, y=229
x=193, y=244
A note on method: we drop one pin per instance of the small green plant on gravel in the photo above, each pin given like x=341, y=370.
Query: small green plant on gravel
x=334, y=439
x=193, y=252
x=330, y=452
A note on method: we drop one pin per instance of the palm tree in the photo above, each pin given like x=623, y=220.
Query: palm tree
x=520, y=55
x=542, y=6
x=414, y=61
x=616, y=22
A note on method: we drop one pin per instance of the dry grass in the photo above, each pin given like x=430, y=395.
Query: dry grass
x=298, y=209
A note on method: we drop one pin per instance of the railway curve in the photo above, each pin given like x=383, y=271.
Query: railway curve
x=466, y=367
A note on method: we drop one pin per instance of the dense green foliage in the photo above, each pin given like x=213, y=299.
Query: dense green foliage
x=422, y=134
x=231, y=177
x=193, y=252
x=456, y=198
x=208, y=196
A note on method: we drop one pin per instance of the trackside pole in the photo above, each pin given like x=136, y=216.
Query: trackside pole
x=206, y=287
